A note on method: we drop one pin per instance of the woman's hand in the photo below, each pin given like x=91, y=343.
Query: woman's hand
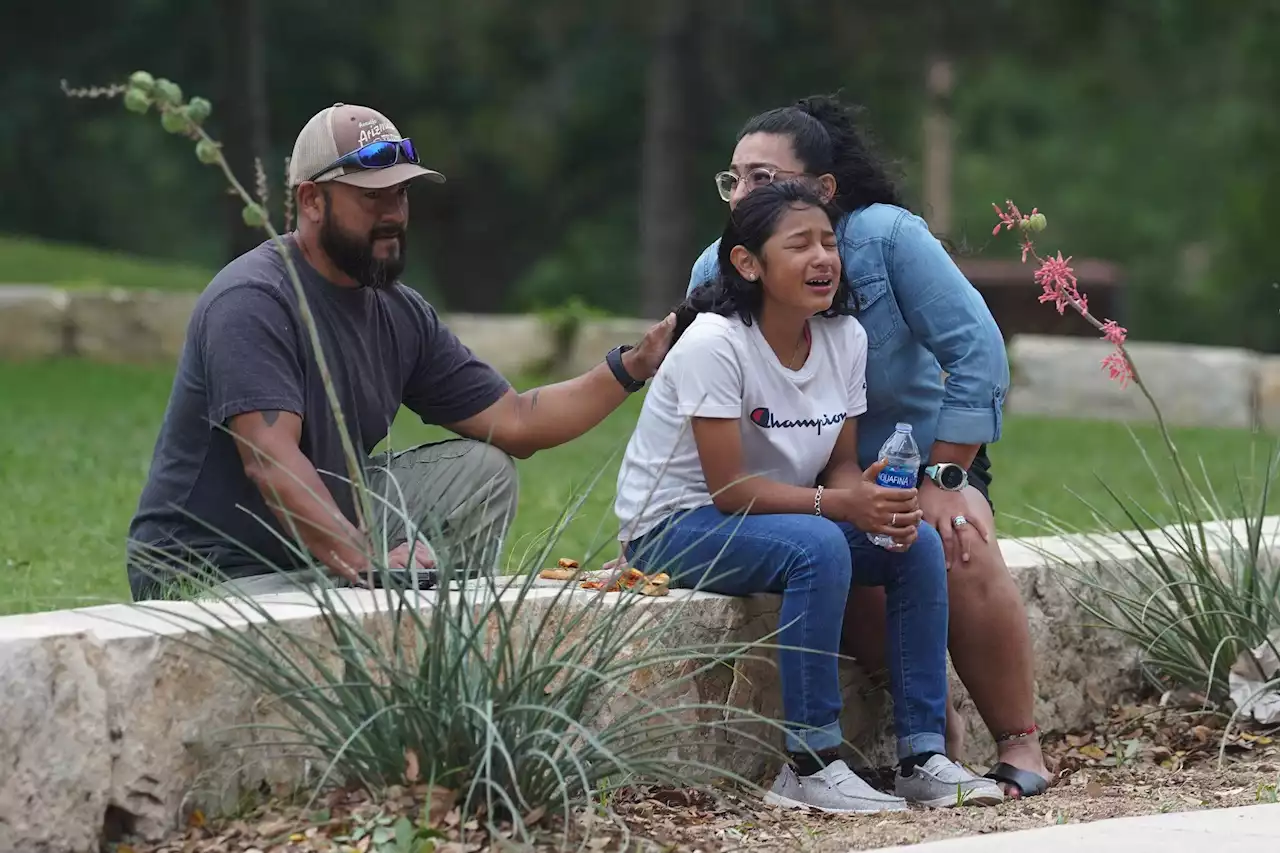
x=941, y=508
x=876, y=509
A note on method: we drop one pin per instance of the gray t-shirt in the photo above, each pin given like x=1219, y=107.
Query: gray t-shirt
x=247, y=350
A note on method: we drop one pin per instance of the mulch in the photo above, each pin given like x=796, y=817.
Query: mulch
x=1143, y=759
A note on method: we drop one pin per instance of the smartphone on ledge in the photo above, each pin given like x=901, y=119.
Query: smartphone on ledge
x=427, y=578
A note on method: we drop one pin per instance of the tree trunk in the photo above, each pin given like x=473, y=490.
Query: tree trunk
x=666, y=162
x=242, y=57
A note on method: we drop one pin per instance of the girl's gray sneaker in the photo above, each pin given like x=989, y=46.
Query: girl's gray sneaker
x=941, y=783
x=835, y=788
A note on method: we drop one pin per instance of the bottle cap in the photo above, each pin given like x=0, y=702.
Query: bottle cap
x=904, y=427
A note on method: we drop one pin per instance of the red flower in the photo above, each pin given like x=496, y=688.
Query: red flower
x=1119, y=367
x=1114, y=333
x=1059, y=282
x=1009, y=220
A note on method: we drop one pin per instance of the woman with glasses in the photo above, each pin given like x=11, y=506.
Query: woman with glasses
x=935, y=360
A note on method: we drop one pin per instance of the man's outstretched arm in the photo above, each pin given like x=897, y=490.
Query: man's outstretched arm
x=544, y=417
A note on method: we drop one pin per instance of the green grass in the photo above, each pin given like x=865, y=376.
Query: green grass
x=76, y=439
x=26, y=260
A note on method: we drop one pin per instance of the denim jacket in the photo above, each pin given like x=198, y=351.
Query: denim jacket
x=922, y=317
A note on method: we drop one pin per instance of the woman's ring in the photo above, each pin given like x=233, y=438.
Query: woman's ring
x=959, y=521
x=893, y=522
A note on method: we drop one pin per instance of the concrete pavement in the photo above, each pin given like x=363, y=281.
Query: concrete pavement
x=1252, y=829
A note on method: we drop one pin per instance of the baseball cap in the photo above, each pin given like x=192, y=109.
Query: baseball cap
x=341, y=129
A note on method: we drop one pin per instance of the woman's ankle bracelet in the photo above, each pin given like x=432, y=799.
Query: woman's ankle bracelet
x=1008, y=737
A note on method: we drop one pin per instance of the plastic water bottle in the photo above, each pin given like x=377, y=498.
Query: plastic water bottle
x=901, y=471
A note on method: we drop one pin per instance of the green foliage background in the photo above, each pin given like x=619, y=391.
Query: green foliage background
x=1147, y=130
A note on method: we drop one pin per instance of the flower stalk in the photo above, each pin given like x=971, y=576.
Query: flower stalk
x=1059, y=286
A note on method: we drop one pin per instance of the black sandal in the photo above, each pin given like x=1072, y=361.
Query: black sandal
x=1028, y=784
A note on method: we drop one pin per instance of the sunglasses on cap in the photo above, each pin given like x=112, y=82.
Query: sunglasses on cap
x=375, y=155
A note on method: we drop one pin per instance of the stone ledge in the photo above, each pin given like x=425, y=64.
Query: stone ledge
x=110, y=710
x=1195, y=385
x=1054, y=376
x=33, y=323
x=118, y=326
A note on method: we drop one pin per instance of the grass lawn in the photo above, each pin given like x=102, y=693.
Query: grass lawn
x=26, y=260
x=76, y=439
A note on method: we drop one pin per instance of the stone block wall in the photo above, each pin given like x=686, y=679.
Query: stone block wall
x=149, y=327
x=134, y=327
x=34, y=325
x=1194, y=385
x=110, y=716
x=1055, y=376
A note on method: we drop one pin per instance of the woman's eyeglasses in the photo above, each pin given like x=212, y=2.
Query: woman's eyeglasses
x=727, y=182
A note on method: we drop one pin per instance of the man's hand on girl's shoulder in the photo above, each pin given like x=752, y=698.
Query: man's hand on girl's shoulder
x=646, y=357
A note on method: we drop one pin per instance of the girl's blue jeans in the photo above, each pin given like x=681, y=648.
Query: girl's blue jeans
x=812, y=561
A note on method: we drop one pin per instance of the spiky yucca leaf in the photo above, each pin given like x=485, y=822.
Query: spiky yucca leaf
x=517, y=696
x=1193, y=586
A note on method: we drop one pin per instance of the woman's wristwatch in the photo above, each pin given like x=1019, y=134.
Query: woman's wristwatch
x=948, y=476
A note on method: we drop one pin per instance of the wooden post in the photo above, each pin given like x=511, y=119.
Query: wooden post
x=938, y=145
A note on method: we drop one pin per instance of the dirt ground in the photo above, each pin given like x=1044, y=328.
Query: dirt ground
x=1082, y=797
x=1144, y=760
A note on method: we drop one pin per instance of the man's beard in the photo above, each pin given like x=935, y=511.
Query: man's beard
x=354, y=255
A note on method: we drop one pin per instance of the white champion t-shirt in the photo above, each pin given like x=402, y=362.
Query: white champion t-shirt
x=723, y=368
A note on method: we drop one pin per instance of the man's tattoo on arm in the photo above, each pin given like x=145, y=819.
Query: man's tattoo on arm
x=270, y=418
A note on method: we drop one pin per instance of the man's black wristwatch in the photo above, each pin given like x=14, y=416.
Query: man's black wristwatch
x=614, y=360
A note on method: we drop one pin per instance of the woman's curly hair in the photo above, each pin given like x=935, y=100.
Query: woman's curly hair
x=826, y=135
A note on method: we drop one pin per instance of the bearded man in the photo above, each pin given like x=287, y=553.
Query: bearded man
x=249, y=478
